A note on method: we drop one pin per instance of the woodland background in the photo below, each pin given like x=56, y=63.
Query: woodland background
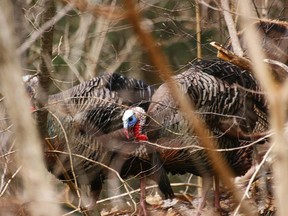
x=87, y=39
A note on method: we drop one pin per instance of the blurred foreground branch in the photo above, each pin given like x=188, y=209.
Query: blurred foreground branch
x=277, y=99
x=201, y=130
x=38, y=193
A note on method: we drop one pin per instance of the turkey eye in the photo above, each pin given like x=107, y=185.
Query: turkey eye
x=130, y=118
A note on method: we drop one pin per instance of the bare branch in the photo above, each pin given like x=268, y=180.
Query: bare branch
x=102, y=27
x=231, y=28
x=27, y=44
x=45, y=66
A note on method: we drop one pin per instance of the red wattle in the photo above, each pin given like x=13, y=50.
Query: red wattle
x=137, y=132
x=141, y=137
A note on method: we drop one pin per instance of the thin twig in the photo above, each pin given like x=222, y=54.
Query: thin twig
x=146, y=188
x=69, y=154
x=253, y=178
x=9, y=180
x=27, y=44
x=123, y=54
x=125, y=184
x=198, y=29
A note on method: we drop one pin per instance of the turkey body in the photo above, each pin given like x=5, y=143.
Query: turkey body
x=226, y=98
x=84, y=137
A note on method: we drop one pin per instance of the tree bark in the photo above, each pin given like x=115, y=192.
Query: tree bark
x=46, y=41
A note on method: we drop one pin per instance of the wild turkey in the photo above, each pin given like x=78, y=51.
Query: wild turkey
x=274, y=39
x=226, y=99
x=83, y=122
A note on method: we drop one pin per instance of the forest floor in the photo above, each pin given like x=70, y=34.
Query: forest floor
x=261, y=203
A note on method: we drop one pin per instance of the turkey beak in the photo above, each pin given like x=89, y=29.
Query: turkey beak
x=126, y=132
x=125, y=128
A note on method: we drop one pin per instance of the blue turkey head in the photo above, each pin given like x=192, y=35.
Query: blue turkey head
x=129, y=120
